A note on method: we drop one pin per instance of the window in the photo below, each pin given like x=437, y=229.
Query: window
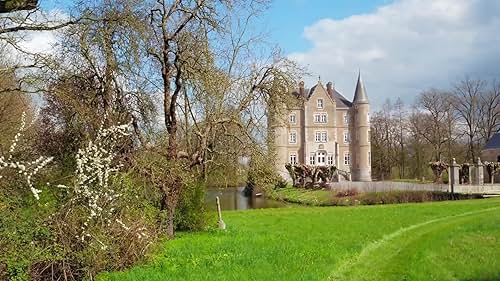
x=320, y=136
x=317, y=136
x=293, y=158
x=346, y=118
x=324, y=137
x=311, y=158
x=293, y=137
x=292, y=118
x=369, y=158
x=320, y=118
x=369, y=136
x=321, y=158
x=347, y=137
x=319, y=103
x=347, y=158
x=330, y=159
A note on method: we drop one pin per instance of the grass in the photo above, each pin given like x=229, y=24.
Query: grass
x=352, y=197
x=452, y=240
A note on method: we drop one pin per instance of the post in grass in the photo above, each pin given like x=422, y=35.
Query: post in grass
x=221, y=223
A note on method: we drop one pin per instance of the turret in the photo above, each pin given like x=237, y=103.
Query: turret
x=360, y=142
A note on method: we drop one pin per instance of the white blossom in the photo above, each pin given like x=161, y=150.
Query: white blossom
x=28, y=169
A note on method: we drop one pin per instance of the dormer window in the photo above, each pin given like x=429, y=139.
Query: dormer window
x=320, y=103
x=292, y=118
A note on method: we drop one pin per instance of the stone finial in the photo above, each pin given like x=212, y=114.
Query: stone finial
x=454, y=161
x=479, y=161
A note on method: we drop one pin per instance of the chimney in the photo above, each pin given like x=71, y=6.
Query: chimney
x=301, y=88
x=330, y=88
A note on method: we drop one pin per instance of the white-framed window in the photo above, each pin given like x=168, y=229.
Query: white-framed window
x=324, y=136
x=320, y=136
x=346, y=118
x=368, y=117
x=292, y=137
x=317, y=136
x=312, y=156
x=321, y=156
x=292, y=118
x=347, y=159
x=320, y=118
x=320, y=103
x=330, y=159
x=293, y=158
x=347, y=137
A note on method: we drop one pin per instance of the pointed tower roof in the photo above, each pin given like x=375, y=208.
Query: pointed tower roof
x=360, y=93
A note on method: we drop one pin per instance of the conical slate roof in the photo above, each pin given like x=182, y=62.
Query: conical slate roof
x=360, y=93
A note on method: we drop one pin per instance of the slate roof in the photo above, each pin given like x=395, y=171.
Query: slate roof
x=360, y=93
x=494, y=142
x=342, y=102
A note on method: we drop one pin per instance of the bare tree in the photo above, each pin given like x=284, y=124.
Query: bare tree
x=489, y=112
x=400, y=116
x=466, y=100
x=431, y=120
x=212, y=88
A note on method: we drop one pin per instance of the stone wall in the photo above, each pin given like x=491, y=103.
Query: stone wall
x=389, y=186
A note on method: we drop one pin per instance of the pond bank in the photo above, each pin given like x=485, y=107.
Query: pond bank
x=351, y=197
x=232, y=198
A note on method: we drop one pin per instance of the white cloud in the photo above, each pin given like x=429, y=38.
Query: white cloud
x=405, y=47
x=37, y=42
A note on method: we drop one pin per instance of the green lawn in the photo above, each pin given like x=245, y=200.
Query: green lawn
x=452, y=240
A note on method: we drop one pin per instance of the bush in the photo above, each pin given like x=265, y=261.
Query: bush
x=281, y=183
x=190, y=213
x=347, y=192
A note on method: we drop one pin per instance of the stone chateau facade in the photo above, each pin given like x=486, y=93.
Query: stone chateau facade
x=325, y=128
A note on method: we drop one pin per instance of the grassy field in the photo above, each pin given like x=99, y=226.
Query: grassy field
x=452, y=240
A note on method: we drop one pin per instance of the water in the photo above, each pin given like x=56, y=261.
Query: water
x=232, y=198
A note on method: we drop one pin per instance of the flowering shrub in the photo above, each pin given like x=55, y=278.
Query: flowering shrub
x=99, y=227
x=25, y=168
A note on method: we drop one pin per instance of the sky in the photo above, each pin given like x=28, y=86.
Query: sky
x=401, y=47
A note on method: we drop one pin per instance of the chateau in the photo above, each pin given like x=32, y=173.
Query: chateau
x=325, y=128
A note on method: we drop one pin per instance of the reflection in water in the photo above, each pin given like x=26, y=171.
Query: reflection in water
x=232, y=198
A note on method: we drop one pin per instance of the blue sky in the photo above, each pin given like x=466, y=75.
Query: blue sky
x=402, y=47
x=286, y=19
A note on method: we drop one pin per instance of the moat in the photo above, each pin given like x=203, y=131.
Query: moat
x=232, y=198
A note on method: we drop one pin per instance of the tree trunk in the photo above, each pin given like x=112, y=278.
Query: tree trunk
x=171, y=206
x=169, y=201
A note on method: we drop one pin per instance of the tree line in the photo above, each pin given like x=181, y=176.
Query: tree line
x=441, y=124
